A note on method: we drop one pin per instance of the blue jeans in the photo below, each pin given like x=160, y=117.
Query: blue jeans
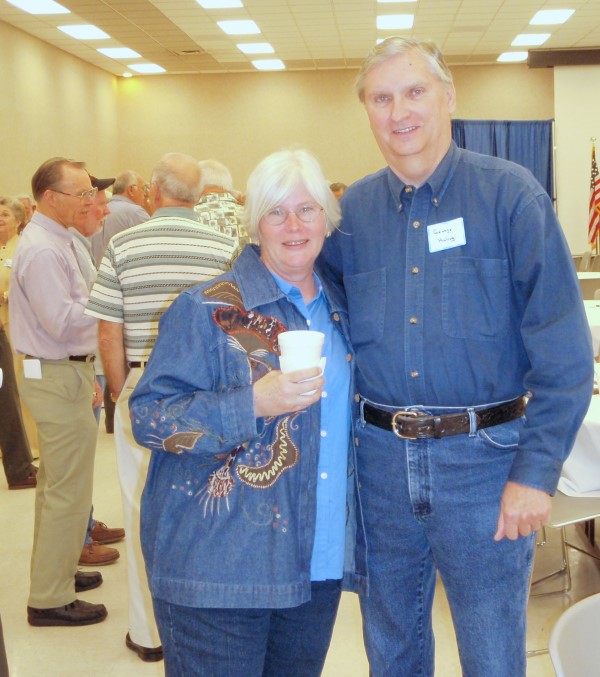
x=433, y=505
x=289, y=642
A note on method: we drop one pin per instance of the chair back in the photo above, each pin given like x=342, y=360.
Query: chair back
x=584, y=265
x=574, y=647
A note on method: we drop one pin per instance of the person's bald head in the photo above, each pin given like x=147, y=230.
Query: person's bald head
x=176, y=181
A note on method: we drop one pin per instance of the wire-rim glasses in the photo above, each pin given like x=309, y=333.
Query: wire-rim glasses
x=307, y=213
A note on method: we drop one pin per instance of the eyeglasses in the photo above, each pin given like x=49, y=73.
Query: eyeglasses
x=306, y=213
x=84, y=196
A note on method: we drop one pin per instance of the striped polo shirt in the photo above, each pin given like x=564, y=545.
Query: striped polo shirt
x=145, y=267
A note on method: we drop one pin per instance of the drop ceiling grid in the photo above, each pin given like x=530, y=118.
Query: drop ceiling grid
x=306, y=33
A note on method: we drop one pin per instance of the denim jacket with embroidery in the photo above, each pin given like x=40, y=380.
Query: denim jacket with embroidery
x=229, y=507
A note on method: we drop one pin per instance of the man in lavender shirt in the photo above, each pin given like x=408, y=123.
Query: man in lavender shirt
x=47, y=298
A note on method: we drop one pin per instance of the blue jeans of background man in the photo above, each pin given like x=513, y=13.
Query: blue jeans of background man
x=289, y=642
x=433, y=504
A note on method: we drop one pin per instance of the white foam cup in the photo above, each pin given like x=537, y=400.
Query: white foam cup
x=300, y=349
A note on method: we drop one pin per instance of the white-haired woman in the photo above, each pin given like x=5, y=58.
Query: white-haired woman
x=249, y=519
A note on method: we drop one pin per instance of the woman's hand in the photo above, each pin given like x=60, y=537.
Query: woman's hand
x=277, y=393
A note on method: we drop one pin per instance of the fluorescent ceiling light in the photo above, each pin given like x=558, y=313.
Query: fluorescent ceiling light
x=119, y=53
x=219, y=4
x=84, y=32
x=547, y=17
x=387, y=21
x=127, y=75
x=240, y=27
x=269, y=64
x=146, y=68
x=40, y=6
x=530, y=39
x=511, y=57
x=256, y=48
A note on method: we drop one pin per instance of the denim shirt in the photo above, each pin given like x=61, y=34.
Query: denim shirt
x=475, y=323
x=229, y=506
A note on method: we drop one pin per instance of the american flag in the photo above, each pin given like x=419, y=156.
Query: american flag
x=594, y=225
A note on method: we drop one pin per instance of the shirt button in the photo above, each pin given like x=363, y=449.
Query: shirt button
x=414, y=373
x=323, y=475
x=408, y=189
x=414, y=270
x=356, y=441
x=349, y=357
x=357, y=398
x=308, y=323
x=336, y=317
x=413, y=320
x=323, y=433
x=416, y=224
x=435, y=201
x=323, y=394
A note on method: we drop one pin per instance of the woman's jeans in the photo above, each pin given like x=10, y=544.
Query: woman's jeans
x=429, y=505
x=289, y=642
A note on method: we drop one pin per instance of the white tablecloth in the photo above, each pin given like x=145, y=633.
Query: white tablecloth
x=581, y=472
x=592, y=311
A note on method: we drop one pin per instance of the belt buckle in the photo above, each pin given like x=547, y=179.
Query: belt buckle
x=404, y=414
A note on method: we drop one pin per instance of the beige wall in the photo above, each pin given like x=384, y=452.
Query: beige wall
x=577, y=121
x=51, y=104
x=240, y=118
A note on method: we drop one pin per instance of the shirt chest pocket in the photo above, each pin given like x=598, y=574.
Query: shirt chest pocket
x=475, y=298
x=366, y=305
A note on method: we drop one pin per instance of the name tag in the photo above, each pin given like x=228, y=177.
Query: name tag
x=446, y=235
x=32, y=369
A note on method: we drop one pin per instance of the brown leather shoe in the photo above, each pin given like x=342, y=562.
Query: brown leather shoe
x=96, y=555
x=103, y=534
x=28, y=482
x=76, y=613
x=87, y=580
x=146, y=654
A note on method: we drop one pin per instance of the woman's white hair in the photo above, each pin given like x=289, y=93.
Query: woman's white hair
x=277, y=176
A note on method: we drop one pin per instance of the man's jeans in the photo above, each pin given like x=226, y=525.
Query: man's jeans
x=250, y=642
x=433, y=504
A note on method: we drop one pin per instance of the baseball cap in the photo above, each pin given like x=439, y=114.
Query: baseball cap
x=101, y=184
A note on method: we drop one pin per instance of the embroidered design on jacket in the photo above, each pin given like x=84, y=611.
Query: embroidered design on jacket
x=256, y=336
x=284, y=455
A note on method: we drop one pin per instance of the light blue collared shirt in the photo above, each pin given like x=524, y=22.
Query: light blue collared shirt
x=328, y=549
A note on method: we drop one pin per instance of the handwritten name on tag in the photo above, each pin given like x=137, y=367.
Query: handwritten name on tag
x=446, y=235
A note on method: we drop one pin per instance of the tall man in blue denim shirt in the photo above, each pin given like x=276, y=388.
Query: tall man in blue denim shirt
x=462, y=301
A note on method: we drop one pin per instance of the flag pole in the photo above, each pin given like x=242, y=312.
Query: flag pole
x=595, y=246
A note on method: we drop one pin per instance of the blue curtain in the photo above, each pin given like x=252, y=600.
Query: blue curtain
x=529, y=143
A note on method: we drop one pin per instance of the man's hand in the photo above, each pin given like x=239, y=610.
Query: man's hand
x=98, y=395
x=277, y=393
x=522, y=511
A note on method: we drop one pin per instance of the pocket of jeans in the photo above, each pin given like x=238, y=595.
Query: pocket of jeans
x=504, y=436
x=475, y=298
x=366, y=294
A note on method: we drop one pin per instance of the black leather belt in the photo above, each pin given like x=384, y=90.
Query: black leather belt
x=73, y=358
x=416, y=425
x=136, y=365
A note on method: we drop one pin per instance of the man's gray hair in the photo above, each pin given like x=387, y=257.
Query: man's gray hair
x=215, y=173
x=124, y=180
x=394, y=46
x=178, y=177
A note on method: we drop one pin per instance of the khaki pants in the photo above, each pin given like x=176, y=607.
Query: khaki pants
x=61, y=404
